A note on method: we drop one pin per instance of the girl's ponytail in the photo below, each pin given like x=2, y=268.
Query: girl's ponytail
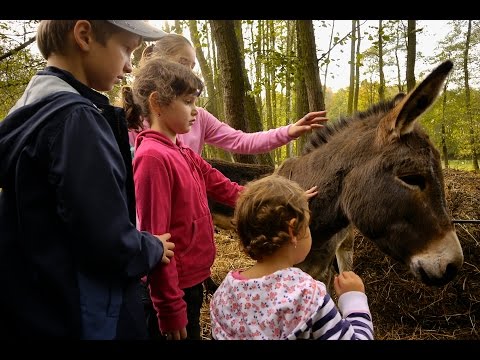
x=132, y=111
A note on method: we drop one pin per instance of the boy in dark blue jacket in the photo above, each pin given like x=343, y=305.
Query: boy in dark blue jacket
x=71, y=257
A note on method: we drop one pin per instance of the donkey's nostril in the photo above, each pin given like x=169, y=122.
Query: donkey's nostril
x=450, y=272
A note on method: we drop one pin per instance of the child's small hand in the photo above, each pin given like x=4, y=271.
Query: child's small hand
x=313, y=120
x=167, y=247
x=348, y=281
x=311, y=192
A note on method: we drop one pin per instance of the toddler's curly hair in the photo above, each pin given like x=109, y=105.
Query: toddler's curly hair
x=263, y=212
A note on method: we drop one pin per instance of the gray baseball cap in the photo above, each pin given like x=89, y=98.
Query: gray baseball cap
x=140, y=27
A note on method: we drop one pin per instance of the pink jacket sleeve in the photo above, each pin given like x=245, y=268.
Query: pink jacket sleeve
x=223, y=136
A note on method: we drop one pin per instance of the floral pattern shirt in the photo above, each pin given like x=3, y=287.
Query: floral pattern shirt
x=288, y=304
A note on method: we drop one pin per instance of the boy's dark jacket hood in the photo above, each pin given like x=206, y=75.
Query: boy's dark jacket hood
x=59, y=90
x=26, y=118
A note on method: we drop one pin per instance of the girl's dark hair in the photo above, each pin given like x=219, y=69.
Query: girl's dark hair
x=133, y=112
x=263, y=213
x=168, y=79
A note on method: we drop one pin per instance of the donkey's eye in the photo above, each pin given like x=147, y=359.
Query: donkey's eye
x=414, y=180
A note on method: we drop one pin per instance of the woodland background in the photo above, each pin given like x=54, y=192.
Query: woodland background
x=261, y=74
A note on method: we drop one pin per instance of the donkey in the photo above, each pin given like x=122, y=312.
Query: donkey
x=379, y=172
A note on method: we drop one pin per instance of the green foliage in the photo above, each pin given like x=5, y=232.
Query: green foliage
x=16, y=69
x=457, y=126
x=336, y=105
x=456, y=123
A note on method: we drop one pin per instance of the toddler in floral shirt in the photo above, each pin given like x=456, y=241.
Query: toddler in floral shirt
x=274, y=300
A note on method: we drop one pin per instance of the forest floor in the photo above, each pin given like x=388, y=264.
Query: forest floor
x=401, y=307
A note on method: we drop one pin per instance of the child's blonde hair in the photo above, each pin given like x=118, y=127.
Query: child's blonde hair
x=167, y=46
x=52, y=34
x=168, y=78
x=263, y=212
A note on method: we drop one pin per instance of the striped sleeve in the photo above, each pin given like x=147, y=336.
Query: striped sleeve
x=327, y=322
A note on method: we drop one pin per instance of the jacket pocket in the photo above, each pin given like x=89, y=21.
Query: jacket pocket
x=200, y=253
x=100, y=304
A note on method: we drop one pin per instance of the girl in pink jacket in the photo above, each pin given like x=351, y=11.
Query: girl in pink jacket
x=171, y=186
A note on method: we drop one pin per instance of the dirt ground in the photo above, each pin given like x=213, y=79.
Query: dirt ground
x=402, y=308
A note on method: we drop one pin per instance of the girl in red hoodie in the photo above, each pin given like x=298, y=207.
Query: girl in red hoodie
x=171, y=187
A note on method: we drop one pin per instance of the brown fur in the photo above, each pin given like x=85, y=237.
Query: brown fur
x=378, y=171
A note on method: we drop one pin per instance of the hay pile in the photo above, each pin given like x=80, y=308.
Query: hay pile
x=403, y=308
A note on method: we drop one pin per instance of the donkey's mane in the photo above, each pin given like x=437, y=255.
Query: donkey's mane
x=322, y=135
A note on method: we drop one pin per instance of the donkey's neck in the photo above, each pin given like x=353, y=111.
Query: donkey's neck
x=321, y=136
x=333, y=129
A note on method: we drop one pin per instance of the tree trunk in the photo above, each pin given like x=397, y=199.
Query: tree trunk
x=307, y=49
x=204, y=67
x=411, y=53
x=310, y=77
x=301, y=104
x=178, y=27
x=351, y=87
x=268, y=77
x=238, y=105
x=288, y=80
x=444, y=135
x=328, y=58
x=208, y=150
x=467, y=97
x=257, y=55
x=381, y=87
x=398, y=33
x=357, y=70
x=272, y=76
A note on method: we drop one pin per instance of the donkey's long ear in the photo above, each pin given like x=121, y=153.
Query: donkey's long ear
x=402, y=118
